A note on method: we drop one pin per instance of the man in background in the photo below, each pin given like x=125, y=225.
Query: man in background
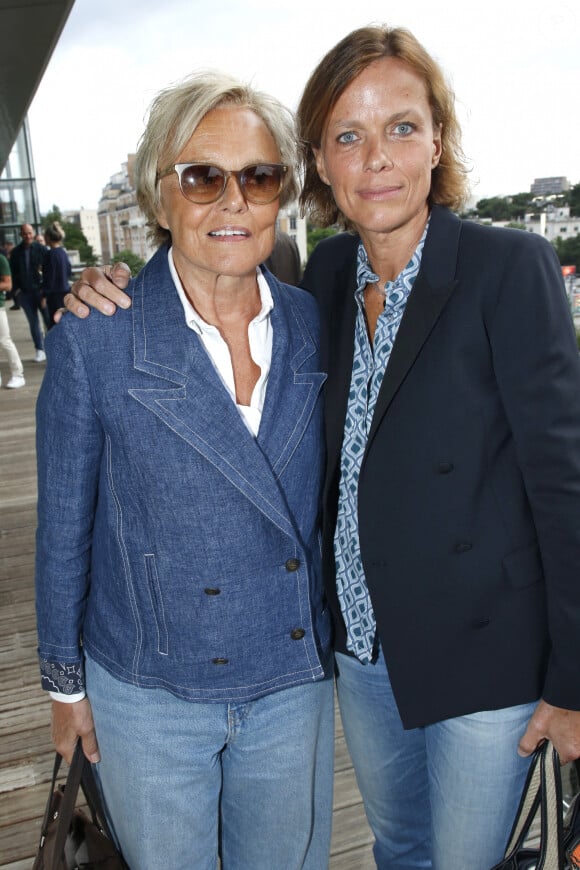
x=26, y=265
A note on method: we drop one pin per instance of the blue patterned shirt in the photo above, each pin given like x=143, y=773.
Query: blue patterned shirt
x=368, y=369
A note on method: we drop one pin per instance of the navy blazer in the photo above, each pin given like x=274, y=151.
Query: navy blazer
x=21, y=280
x=181, y=551
x=469, y=494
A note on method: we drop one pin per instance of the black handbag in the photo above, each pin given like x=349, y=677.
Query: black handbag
x=70, y=839
x=559, y=847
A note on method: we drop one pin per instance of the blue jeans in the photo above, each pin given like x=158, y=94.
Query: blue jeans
x=30, y=304
x=181, y=777
x=443, y=796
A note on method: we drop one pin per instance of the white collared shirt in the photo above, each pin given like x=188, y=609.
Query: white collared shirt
x=260, y=339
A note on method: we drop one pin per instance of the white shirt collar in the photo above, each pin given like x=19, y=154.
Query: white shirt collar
x=195, y=321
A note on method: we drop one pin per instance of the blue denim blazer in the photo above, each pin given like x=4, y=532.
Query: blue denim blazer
x=178, y=549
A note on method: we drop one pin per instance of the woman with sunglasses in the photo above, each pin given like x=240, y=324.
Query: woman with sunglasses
x=180, y=447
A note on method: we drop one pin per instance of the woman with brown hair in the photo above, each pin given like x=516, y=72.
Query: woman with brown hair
x=452, y=494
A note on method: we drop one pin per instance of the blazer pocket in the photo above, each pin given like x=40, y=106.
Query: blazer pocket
x=524, y=567
x=157, y=604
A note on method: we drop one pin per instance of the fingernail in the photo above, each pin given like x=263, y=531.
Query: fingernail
x=109, y=309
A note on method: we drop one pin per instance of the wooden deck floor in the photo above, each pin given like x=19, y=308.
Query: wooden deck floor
x=25, y=749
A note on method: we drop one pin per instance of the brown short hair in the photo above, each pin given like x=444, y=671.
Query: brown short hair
x=333, y=75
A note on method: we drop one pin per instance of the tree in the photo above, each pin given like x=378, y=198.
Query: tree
x=568, y=251
x=505, y=208
x=316, y=234
x=51, y=216
x=134, y=262
x=521, y=203
x=574, y=200
x=496, y=208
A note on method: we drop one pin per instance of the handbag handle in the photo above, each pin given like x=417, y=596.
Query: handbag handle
x=67, y=804
x=80, y=774
x=543, y=788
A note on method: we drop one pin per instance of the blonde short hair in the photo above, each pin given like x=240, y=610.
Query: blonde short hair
x=54, y=232
x=333, y=75
x=173, y=117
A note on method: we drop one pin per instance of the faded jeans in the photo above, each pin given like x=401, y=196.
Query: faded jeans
x=443, y=796
x=179, y=777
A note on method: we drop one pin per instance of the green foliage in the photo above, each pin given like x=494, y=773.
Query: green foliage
x=505, y=208
x=134, y=262
x=53, y=215
x=568, y=251
x=574, y=200
x=316, y=234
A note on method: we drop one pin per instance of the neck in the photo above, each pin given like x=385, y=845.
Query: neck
x=389, y=252
x=221, y=298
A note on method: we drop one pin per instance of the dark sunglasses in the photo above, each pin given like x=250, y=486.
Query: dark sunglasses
x=202, y=183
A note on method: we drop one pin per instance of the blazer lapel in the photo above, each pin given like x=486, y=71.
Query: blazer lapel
x=193, y=402
x=434, y=285
x=338, y=310
x=294, y=381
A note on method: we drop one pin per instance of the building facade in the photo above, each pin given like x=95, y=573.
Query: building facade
x=88, y=220
x=549, y=186
x=121, y=221
x=18, y=196
x=290, y=222
x=553, y=223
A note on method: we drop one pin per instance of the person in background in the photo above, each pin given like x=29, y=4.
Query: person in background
x=7, y=249
x=284, y=261
x=26, y=265
x=182, y=450
x=16, y=379
x=451, y=512
x=56, y=271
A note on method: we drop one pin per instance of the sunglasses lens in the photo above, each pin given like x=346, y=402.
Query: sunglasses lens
x=262, y=183
x=201, y=183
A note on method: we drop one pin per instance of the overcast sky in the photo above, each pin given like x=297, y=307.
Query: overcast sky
x=514, y=66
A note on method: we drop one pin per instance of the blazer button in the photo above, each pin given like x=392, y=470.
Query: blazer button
x=209, y=591
x=297, y=633
x=220, y=661
x=483, y=622
x=445, y=467
x=292, y=564
x=465, y=547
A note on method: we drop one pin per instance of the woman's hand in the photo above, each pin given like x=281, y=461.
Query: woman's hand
x=100, y=289
x=71, y=721
x=560, y=726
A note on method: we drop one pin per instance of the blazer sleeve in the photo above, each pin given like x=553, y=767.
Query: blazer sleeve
x=70, y=443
